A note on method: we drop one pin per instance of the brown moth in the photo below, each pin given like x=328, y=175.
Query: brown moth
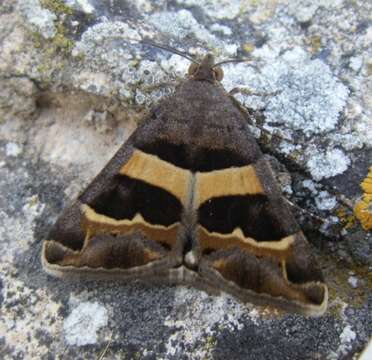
x=190, y=199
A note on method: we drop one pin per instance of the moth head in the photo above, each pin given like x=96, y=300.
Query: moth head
x=206, y=70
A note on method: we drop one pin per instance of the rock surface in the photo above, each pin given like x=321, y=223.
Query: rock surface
x=74, y=83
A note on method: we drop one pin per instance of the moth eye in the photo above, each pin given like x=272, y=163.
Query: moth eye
x=218, y=73
x=193, y=68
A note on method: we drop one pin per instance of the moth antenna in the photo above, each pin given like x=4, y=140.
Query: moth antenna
x=307, y=212
x=344, y=200
x=231, y=61
x=170, y=49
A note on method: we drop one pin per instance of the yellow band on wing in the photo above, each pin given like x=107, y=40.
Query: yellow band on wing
x=94, y=223
x=279, y=249
x=232, y=181
x=160, y=173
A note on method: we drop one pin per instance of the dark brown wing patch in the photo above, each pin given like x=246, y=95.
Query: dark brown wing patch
x=251, y=213
x=194, y=158
x=106, y=251
x=264, y=276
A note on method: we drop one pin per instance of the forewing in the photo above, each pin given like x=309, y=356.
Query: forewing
x=250, y=244
x=127, y=223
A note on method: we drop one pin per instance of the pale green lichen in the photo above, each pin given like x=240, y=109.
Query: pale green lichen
x=59, y=43
x=58, y=7
x=57, y=48
x=315, y=43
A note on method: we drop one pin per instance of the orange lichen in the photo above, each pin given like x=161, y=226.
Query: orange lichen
x=347, y=220
x=363, y=211
x=363, y=208
x=367, y=183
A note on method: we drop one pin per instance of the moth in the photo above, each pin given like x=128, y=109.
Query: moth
x=190, y=199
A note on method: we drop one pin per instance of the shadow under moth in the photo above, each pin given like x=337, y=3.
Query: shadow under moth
x=190, y=199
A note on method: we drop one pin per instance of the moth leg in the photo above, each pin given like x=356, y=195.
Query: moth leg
x=307, y=212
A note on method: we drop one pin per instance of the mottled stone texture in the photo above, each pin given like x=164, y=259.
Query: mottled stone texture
x=72, y=88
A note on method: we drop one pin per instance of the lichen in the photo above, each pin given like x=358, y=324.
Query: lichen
x=183, y=25
x=38, y=18
x=200, y=323
x=366, y=184
x=315, y=43
x=309, y=97
x=223, y=9
x=363, y=211
x=56, y=6
x=248, y=47
x=12, y=149
x=325, y=164
x=57, y=48
x=58, y=43
x=81, y=326
x=339, y=288
x=346, y=219
x=363, y=208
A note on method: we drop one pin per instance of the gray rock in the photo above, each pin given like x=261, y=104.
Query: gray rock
x=18, y=98
x=74, y=83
